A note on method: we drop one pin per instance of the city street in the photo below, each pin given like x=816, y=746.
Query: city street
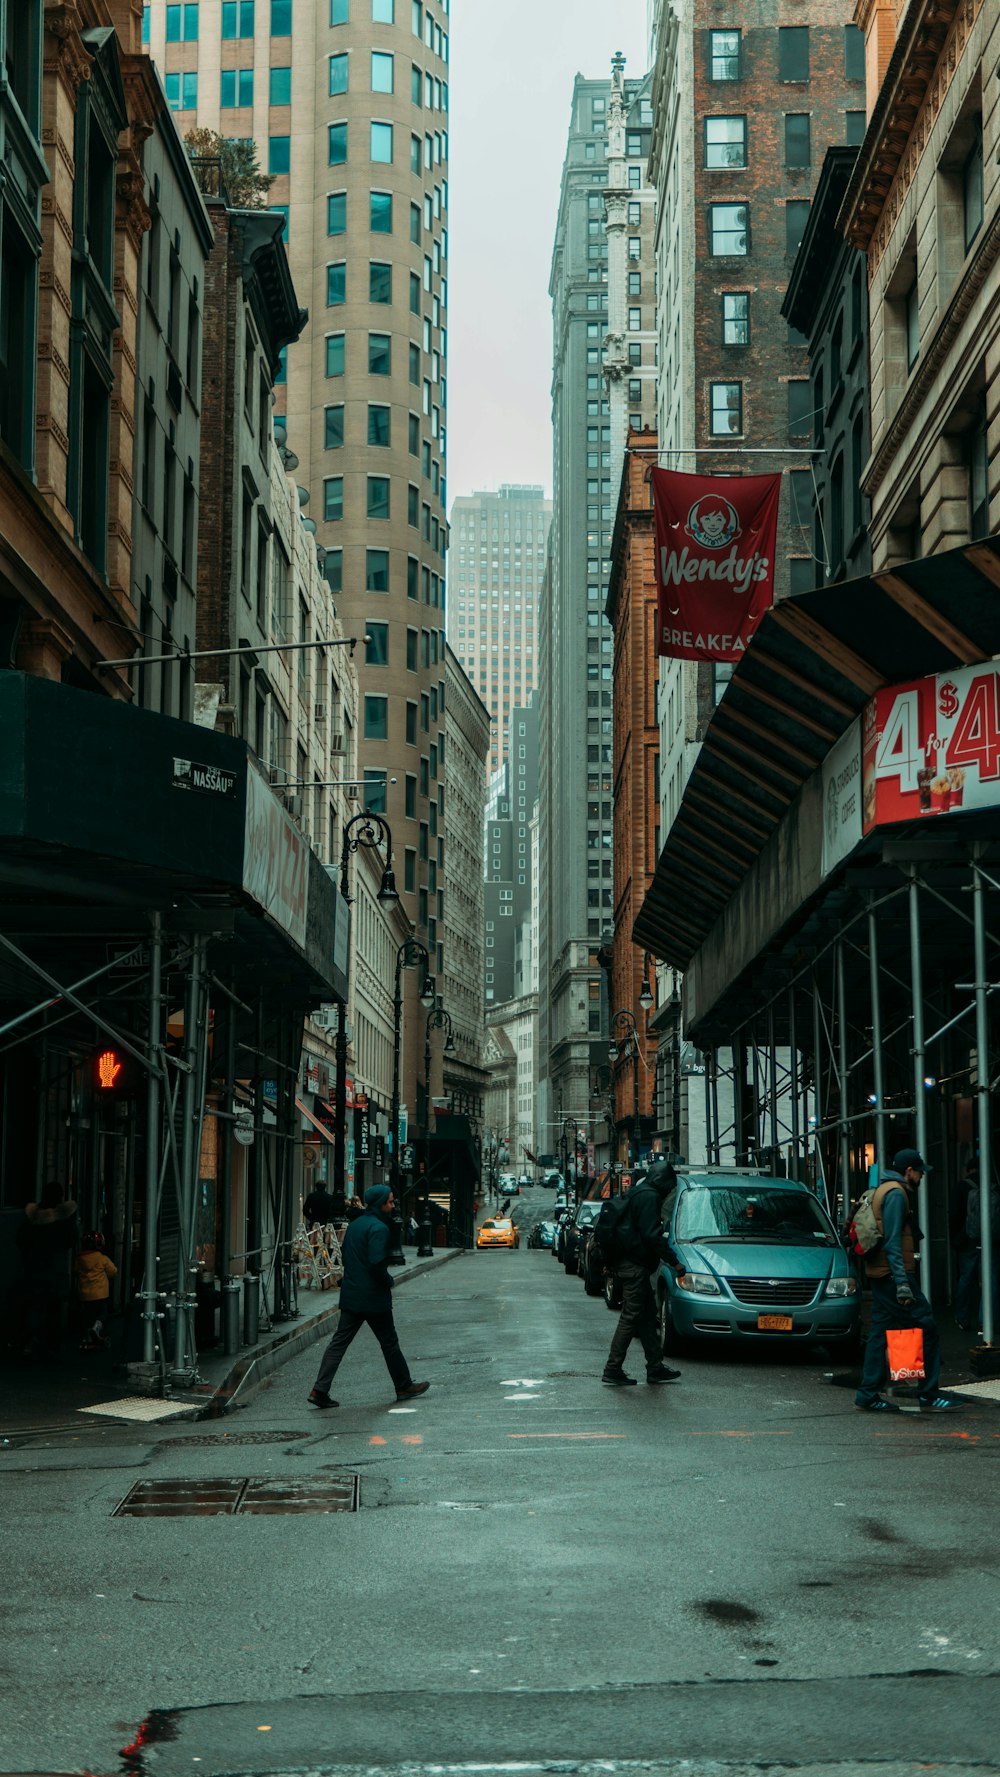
x=737, y=1567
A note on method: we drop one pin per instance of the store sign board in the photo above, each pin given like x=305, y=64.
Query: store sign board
x=275, y=859
x=842, y=815
x=932, y=747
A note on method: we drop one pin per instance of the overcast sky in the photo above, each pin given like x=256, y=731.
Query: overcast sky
x=511, y=74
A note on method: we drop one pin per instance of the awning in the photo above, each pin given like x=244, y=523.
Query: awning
x=813, y=665
x=307, y=1113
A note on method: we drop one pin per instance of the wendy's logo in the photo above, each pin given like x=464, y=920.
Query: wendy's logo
x=712, y=522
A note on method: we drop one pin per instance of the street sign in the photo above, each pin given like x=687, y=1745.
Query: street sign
x=407, y=1157
x=243, y=1128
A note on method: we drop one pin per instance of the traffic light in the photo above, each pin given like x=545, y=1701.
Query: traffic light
x=110, y=1071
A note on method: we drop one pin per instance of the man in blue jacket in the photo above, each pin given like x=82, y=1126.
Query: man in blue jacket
x=366, y=1296
x=897, y=1299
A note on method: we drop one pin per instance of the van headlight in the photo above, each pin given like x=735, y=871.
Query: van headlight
x=699, y=1283
x=841, y=1286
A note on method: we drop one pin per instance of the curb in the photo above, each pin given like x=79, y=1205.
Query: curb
x=249, y=1371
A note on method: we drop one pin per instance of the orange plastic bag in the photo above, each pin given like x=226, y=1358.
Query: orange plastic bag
x=905, y=1347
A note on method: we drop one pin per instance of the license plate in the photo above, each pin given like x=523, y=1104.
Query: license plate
x=774, y=1323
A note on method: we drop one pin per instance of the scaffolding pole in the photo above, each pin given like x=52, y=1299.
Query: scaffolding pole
x=881, y=1119
x=919, y=1062
x=983, y=1100
x=793, y=1066
x=842, y=1073
x=151, y=1228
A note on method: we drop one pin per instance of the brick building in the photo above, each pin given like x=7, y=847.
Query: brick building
x=923, y=205
x=631, y=611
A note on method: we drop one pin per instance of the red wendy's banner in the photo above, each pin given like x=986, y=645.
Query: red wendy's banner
x=715, y=541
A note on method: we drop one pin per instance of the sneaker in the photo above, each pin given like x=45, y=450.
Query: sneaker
x=662, y=1373
x=415, y=1388
x=618, y=1379
x=318, y=1399
x=940, y=1404
x=877, y=1406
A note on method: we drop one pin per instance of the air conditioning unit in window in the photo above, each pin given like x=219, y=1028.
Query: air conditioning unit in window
x=294, y=806
x=351, y=792
x=319, y=712
x=336, y=743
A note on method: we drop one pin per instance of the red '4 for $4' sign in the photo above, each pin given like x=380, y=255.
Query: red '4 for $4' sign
x=932, y=747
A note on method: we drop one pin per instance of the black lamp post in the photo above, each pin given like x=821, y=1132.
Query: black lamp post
x=439, y=1019
x=364, y=831
x=409, y=953
x=571, y=1123
x=647, y=996
x=625, y=1022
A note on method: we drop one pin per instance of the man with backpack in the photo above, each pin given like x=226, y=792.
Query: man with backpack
x=897, y=1300
x=632, y=1244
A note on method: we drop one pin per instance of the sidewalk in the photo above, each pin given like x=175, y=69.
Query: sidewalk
x=63, y=1396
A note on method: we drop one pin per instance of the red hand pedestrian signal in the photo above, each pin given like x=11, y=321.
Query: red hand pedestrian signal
x=108, y=1069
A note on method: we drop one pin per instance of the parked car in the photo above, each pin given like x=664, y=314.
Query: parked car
x=551, y=1180
x=542, y=1234
x=589, y=1264
x=499, y=1231
x=763, y=1262
x=561, y=1217
x=525, y=1183
x=583, y=1217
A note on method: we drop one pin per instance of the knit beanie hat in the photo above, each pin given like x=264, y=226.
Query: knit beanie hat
x=376, y=1196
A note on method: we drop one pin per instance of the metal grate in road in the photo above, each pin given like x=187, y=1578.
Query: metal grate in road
x=227, y=1498
x=230, y=1438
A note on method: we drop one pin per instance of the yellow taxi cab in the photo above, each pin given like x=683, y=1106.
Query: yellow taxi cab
x=498, y=1232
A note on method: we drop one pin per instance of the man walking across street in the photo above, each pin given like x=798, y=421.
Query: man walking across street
x=366, y=1297
x=640, y=1246
x=897, y=1300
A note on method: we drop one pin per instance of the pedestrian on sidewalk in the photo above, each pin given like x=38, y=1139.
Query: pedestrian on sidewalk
x=94, y=1272
x=319, y=1207
x=641, y=1246
x=366, y=1298
x=897, y=1299
x=46, y=1239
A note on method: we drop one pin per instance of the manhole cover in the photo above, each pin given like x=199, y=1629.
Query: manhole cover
x=224, y=1498
x=236, y=1437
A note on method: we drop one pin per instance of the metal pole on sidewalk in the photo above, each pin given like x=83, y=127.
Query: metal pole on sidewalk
x=881, y=1118
x=772, y=1066
x=983, y=1100
x=152, y=1205
x=817, y=1077
x=919, y=1089
x=793, y=1080
x=845, y=1133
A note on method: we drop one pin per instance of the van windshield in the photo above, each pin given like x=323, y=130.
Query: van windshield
x=766, y=1214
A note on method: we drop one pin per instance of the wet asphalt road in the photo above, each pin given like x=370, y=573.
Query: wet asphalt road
x=734, y=1568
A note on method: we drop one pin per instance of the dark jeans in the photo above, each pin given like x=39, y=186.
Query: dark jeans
x=638, y=1316
x=886, y=1314
x=349, y=1326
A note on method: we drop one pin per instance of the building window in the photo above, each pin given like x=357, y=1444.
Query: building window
x=381, y=143
x=379, y=426
x=339, y=12
x=376, y=718
x=279, y=155
x=725, y=142
x=336, y=284
x=800, y=496
x=855, y=125
x=800, y=400
x=796, y=217
x=237, y=18
x=376, y=644
x=182, y=22
x=379, y=281
x=339, y=74
x=333, y=498
x=854, y=53
x=635, y=320
x=281, y=18
x=798, y=150
x=333, y=428
x=335, y=354
x=376, y=570
x=736, y=318
x=793, y=53
x=726, y=409
x=724, y=55
x=280, y=86
x=380, y=212
x=411, y=724
x=336, y=212
x=728, y=230
x=972, y=186
x=236, y=88
x=379, y=354
x=337, y=144
x=382, y=72
x=378, y=496
x=979, y=497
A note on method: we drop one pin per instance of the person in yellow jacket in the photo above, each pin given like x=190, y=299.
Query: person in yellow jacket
x=94, y=1272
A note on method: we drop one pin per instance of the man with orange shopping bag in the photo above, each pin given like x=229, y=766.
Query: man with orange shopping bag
x=898, y=1303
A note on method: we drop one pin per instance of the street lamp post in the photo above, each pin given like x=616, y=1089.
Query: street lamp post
x=625, y=1021
x=574, y=1125
x=365, y=831
x=409, y=953
x=437, y=1019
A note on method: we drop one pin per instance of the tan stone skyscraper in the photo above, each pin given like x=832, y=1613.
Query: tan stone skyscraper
x=347, y=101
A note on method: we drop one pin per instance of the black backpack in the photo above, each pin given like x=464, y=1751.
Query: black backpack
x=610, y=1225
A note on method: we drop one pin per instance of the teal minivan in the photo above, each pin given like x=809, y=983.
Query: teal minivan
x=763, y=1263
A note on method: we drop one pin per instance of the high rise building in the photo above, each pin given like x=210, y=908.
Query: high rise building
x=498, y=543
x=347, y=102
x=510, y=944
x=603, y=378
